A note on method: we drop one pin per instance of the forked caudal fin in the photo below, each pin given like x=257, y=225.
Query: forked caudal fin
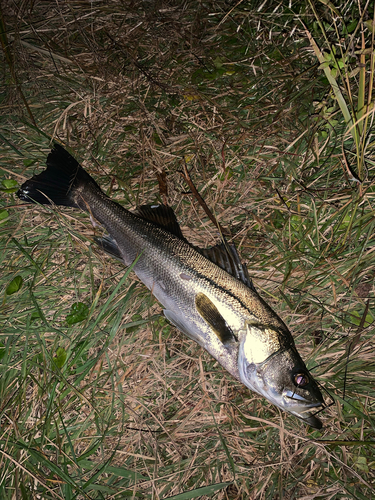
x=57, y=184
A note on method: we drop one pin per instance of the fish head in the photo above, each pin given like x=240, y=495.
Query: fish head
x=277, y=372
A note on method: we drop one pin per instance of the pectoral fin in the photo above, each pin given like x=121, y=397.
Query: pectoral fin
x=211, y=314
x=109, y=245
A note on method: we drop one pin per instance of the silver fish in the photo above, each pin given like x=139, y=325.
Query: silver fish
x=206, y=293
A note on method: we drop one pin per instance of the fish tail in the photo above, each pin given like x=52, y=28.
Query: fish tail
x=59, y=183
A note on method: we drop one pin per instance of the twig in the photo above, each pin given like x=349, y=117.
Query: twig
x=186, y=175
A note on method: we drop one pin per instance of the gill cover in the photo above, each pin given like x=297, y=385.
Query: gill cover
x=282, y=378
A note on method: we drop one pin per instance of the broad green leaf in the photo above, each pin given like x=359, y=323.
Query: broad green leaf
x=356, y=318
x=14, y=285
x=28, y=162
x=35, y=315
x=334, y=85
x=352, y=26
x=60, y=357
x=9, y=186
x=78, y=312
x=370, y=25
x=361, y=464
x=3, y=216
x=218, y=62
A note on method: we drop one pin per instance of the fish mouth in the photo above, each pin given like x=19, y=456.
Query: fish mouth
x=313, y=421
x=310, y=419
x=295, y=404
x=304, y=409
x=304, y=403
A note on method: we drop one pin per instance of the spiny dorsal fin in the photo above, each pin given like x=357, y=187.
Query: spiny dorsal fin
x=211, y=314
x=161, y=215
x=225, y=255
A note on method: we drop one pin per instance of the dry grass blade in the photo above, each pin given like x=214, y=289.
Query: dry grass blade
x=201, y=201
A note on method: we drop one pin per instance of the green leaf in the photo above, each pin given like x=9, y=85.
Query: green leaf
x=324, y=65
x=117, y=471
x=14, y=285
x=35, y=315
x=2, y=350
x=9, y=183
x=205, y=490
x=136, y=318
x=28, y=162
x=9, y=186
x=352, y=26
x=370, y=25
x=218, y=62
x=356, y=318
x=78, y=312
x=361, y=464
x=322, y=58
x=60, y=357
x=3, y=216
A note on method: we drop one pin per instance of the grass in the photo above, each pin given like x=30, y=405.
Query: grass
x=100, y=397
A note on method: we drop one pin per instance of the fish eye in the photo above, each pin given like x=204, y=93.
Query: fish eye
x=301, y=379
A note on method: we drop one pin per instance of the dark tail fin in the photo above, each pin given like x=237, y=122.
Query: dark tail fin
x=58, y=183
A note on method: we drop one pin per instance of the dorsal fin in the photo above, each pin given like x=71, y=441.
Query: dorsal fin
x=225, y=255
x=161, y=215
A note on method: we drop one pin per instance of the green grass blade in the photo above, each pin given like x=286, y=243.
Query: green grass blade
x=198, y=492
x=334, y=85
